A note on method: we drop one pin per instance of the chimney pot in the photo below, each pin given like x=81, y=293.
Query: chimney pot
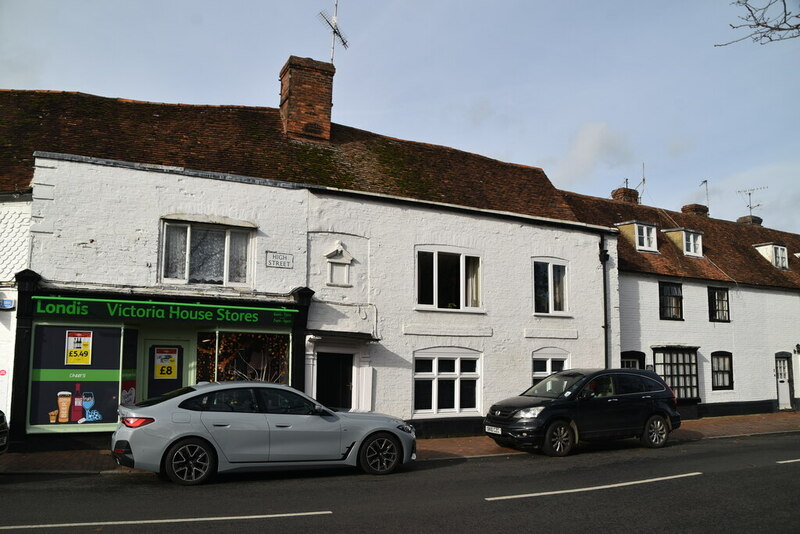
x=307, y=98
x=625, y=194
x=695, y=209
x=752, y=220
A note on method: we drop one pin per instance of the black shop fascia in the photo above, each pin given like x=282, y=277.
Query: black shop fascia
x=79, y=354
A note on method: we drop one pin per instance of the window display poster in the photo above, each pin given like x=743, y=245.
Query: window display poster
x=79, y=348
x=166, y=372
x=80, y=388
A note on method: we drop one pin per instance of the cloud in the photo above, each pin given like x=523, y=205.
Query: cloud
x=594, y=145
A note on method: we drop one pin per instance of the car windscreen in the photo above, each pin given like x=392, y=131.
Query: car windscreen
x=165, y=397
x=555, y=385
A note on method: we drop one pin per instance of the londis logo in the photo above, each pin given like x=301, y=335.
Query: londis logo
x=75, y=307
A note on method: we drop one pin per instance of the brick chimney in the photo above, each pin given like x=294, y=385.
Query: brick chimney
x=752, y=220
x=695, y=209
x=624, y=194
x=307, y=98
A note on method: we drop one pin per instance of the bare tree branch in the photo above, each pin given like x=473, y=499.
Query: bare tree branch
x=767, y=20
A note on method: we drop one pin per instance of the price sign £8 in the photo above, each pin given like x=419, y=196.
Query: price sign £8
x=166, y=363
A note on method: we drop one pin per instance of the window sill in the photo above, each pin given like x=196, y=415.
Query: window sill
x=560, y=315
x=442, y=414
x=473, y=311
x=671, y=318
x=648, y=250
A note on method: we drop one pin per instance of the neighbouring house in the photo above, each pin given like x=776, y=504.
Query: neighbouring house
x=159, y=245
x=713, y=306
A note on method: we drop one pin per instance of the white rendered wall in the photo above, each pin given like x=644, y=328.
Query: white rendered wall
x=763, y=322
x=15, y=246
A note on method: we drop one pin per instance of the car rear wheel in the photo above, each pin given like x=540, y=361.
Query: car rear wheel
x=190, y=462
x=558, y=439
x=655, y=432
x=379, y=454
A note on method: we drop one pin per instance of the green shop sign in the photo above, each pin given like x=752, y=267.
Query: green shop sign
x=137, y=310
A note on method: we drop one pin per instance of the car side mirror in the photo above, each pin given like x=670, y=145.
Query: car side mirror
x=320, y=410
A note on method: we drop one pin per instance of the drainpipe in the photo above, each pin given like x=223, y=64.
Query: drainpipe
x=604, y=257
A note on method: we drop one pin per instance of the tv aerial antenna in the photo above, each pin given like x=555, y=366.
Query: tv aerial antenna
x=333, y=23
x=749, y=193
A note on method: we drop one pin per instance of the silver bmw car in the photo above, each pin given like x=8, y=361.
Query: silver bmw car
x=192, y=433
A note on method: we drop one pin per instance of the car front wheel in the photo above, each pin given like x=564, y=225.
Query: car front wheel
x=655, y=432
x=190, y=462
x=559, y=439
x=379, y=454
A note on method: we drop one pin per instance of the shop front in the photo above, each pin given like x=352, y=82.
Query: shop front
x=88, y=353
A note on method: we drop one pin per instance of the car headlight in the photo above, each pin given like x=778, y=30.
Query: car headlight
x=405, y=427
x=529, y=413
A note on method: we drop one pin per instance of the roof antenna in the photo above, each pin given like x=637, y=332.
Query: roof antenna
x=642, y=184
x=749, y=193
x=708, y=202
x=333, y=22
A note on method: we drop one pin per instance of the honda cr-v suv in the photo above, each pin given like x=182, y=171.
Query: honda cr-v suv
x=586, y=404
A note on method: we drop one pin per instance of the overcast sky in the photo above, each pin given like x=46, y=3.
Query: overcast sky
x=594, y=92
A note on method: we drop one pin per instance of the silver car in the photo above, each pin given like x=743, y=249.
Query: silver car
x=192, y=433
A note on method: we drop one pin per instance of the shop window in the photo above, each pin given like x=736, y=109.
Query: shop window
x=548, y=361
x=549, y=286
x=446, y=381
x=678, y=367
x=721, y=370
x=205, y=254
x=670, y=301
x=448, y=280
x=225, y=356
x=718, y=305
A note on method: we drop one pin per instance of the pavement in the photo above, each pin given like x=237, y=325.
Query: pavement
x=100, y=462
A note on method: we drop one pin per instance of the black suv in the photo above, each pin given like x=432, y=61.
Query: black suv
x=586, y=404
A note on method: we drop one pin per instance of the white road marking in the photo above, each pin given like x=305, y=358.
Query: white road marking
x=156, y=521
x=788, y=461
x=591, y=488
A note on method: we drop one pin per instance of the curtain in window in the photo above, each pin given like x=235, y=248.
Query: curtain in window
x=559, y=288
x=207, y=256
x=473, y=272
x=237, y=263
x=175, y=252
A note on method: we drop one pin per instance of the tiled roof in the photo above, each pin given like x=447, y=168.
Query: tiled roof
x=250, y=141
x=728, y=252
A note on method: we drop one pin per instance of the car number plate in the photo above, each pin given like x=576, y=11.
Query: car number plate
x=493, y=430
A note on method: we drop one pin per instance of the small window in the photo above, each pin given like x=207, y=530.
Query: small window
x=670, y=301
x=781, y=258
x=339, y=262
x=448, y=280
x=446, y=383
x=721, y=370
x=718, y=305
x=646, y=237
x=692, y=243
x=549, y=286
x=546, y=362
x=204, y=254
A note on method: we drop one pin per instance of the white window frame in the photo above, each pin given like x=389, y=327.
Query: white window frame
x=548, y=354
x=434, y=376
x=693, y=243
x=781, y=256
x=227, y=229
x=550, y=288
x=339, y=260
x=463, y=293
x=646, y=237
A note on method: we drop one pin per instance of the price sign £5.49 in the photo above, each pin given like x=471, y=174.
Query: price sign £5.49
x=166, y=363
x=79, y=348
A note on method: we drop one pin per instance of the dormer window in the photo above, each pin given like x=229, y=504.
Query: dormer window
x=775, y=253
x=339, y=261
x=692, y=243
x=646, y=237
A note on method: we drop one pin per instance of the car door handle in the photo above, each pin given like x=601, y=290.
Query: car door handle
x=221, y=425
x=647, y=397
x=613, y=400
x=283, y=426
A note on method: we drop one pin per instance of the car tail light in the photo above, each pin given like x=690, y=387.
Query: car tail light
x=136, y=422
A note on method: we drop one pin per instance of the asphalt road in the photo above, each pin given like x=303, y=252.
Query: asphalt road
x=734, y=485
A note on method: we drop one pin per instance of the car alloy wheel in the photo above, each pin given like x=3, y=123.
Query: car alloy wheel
x=655, y=432
x=559, y=439
x=190, y=462
x=380, y=454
